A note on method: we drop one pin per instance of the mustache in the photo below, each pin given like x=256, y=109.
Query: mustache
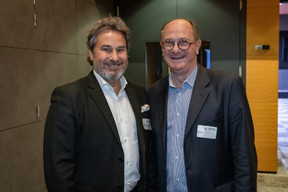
x=113, y=63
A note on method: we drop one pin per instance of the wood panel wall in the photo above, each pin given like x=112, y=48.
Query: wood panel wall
x=262, y=78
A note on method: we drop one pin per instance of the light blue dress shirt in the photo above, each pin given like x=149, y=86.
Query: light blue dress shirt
x=177, y=110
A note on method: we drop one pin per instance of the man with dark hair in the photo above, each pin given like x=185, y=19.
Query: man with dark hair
x=97, y=129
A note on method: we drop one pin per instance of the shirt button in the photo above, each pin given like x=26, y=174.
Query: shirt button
x=177, y=135
x=178, y=114
x=177, y=157
x=178, y=179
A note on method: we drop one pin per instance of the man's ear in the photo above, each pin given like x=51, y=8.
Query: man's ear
x=198, y=45
x=90, y=55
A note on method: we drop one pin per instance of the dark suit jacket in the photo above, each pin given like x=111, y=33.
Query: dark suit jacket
x=227, y=163
x=82, y=148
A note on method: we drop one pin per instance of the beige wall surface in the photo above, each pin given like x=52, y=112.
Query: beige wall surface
x=35, y=57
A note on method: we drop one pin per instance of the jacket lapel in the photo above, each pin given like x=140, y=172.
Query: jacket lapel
x=200, y=92
x=162, y=104
x=139, y=124
x=97, y=95
x=137, y=112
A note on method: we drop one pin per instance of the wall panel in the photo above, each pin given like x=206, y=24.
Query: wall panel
x=262, y=78
x=34, y=60
x=263, y=29
x=56, y=27
x=21, y=164
x=16, y=18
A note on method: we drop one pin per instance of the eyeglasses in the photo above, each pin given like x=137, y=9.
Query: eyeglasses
x=182, y=44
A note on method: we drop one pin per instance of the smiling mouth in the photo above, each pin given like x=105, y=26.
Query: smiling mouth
x=113, y=64
x=177, y=58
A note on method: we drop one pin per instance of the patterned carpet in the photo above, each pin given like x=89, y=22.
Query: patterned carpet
x=269, y=182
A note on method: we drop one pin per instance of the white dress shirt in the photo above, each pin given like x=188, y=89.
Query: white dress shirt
x=126, y=125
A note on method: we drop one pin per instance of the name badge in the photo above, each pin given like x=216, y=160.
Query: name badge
x=146, y=124
x=207, y=132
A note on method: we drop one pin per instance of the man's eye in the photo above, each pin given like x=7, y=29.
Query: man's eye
x=121, y=50
x=169, y=43
x=183, y=41
x=106, y=49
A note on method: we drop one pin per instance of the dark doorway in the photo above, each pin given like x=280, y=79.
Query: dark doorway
x=155, y=67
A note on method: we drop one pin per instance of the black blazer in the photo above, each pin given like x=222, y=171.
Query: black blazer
x=82, y=148
x=227, y=163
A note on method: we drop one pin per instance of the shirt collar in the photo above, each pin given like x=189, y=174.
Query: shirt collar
x=104, y=83
x=190, y=80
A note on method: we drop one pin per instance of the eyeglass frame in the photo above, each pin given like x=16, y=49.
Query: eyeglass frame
x=190, y=43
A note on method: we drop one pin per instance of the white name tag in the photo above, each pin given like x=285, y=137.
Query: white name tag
x=146, y=124
x=207, y=132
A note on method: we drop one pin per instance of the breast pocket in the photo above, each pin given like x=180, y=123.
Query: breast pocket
x=210, y=129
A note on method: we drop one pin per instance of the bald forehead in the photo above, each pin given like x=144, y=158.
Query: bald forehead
x=177, y=23
x=177, y=26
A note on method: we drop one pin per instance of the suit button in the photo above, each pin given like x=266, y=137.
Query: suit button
x=189, y=171
x=119, y=188
x=121, y=159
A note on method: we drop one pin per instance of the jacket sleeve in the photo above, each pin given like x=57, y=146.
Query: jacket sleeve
x=59, y=144
x=242, y=139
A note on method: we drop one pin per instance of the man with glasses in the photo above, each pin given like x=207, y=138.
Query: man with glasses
x=201, y=121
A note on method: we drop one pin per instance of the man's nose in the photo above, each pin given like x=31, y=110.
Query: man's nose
x=114, y=55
